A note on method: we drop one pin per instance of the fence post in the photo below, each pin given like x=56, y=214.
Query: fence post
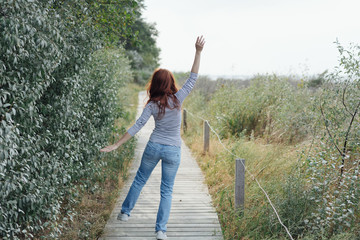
x=240, y=183
x=184, y=120
x=206, y=136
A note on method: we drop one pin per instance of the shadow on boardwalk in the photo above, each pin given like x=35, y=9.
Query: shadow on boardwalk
x=192, y=215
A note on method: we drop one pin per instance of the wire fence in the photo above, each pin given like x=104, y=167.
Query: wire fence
x=252, y=175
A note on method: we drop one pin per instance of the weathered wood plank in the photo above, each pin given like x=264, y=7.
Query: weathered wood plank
x=192, y=215
x=169, y=238
x=124, y=230
x=170, y=234
x=173, y=221
x=170, y=225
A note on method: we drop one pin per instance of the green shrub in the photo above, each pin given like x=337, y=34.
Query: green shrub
x=332, y=168
x=269, y=107
x=58, y=105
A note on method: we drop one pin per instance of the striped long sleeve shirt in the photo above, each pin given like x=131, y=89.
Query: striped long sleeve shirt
x=167, y=128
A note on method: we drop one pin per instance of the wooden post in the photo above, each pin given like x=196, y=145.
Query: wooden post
x=184, y=120
x=206, y=136
x=240, y=183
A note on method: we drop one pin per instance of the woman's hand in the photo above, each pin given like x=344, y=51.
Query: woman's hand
x=122, y=140
x=109, y=148
x=199, y=45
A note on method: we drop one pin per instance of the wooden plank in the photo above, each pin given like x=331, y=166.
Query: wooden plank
x=169, y=238
x=170, y=225
x=174, y=211
x=184, y=217
x=192, y=215
x=170, y=234
x=173, y=221
x=177, y=207
x=124, y=230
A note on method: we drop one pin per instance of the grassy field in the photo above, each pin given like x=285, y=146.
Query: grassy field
x=270, y=163
x=272, y=123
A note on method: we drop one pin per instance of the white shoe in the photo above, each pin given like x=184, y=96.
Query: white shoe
x=123, y=217
x=160, y=235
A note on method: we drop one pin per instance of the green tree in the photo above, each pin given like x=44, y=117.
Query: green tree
x=144, y=56
x=113, y=20
x=120, y=23
x=333, y=167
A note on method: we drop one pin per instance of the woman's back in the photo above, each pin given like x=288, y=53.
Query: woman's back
x=167, y=125
x=167, y=128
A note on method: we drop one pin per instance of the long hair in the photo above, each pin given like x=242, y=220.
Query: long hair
x=161, y=88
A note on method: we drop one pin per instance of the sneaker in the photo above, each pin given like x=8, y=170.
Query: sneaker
x=123, y=217
x=161, y=235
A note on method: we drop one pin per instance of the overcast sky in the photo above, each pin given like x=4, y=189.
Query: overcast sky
x=246, y=37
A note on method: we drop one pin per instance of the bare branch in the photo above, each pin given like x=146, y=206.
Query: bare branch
x=327, y=129
x=343, y=100
x=349, y=128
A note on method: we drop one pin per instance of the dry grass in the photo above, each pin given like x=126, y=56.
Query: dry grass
x=270, y=163
x=94, y=210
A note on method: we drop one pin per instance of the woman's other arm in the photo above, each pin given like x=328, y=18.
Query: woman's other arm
x=122, y=140
x=140, y=122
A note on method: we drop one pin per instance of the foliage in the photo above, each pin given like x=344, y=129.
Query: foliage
x=319, y=197
x=317, y=80
x=119, y=23
x=333, y=167
x=112, y=20
x=95, y=204
x=116, y=19
x=269, y=107
x=207, y=87
x=58, y=104
x=144, y=56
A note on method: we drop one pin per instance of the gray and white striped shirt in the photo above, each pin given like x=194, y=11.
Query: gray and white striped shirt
x=167, y=129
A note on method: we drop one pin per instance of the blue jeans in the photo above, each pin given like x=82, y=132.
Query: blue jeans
x=170, y=156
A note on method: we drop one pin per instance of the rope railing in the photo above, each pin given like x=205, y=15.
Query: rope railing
x=252, y=175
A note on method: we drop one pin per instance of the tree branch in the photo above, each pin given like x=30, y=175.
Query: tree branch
x=327, y=129
x=349, y=128
x=343, y=100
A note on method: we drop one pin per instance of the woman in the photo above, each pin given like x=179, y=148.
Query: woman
x=165, y=105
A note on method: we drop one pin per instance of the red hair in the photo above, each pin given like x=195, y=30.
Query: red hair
x=162, y=87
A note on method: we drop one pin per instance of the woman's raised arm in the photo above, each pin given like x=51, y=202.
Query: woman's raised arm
x=190, y=82
x=199, y=45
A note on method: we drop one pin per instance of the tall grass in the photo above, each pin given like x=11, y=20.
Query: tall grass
x=270, y=163
x=285, y=137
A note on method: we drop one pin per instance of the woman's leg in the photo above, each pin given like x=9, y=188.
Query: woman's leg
x=169, y=165
x=149, y=160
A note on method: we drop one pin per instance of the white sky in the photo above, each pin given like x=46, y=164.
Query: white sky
x=245, y=37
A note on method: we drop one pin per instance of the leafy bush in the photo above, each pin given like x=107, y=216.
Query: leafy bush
x=333, y=166
x=270, y=107
x=58, y=105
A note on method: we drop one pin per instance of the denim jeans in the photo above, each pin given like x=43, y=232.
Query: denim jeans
x=170, y=161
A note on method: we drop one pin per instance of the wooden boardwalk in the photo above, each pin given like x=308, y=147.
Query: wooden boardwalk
x=192, y=215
